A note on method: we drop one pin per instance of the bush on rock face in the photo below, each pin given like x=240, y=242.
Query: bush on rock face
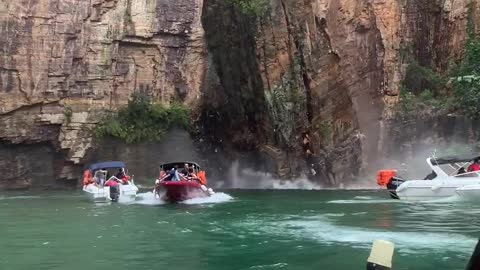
x=142, y=120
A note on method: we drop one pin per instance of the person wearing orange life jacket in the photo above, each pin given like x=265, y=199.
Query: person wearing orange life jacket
x=121, y=175
x=87, y=178
x=192, y=176
x=201, y=176
x=111, y=183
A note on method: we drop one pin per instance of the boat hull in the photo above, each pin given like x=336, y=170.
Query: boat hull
x=103, y=194
x=471, y=192
x=178, y=191
x=427, y=190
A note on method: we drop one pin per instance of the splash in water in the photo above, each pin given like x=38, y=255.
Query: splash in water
x=148, y=198
x=218, y=197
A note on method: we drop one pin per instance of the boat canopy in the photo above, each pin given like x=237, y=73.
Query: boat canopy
x=179, y=165
x=453, y=159
x=107, y=165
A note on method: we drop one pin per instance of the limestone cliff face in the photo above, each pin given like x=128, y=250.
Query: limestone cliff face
x=329, y=68
x=345, y=60
x=62, y=61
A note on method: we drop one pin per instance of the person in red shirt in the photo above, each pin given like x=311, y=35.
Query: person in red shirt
x=474, y=166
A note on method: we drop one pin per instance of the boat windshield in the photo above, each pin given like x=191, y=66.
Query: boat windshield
x=458, y=170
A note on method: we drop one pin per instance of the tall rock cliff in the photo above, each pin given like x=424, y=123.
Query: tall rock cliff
x=330, y=69
x=62, y=61
x=327, y=68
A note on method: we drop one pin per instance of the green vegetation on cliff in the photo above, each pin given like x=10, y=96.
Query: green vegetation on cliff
x=424, y=90
x=255, y=8
x=419, y=79
x=142, y=120
x=466, y=79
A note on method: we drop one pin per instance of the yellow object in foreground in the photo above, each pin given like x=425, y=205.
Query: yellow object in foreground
x=382, y=253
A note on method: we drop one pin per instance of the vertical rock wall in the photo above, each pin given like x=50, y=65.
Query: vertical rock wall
x=345, y=61
x=63, y=61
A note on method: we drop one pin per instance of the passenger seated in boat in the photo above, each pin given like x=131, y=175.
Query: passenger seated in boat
x=185, y=169
x=173, y=175
x=87, y=178
x=192, y=176
x=100, y=177
x=111, y=183
x=162, y=176
x=122, y=176
x=474, y=166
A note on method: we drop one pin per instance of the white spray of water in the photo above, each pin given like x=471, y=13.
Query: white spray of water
x=407, y=242
x=250, y=179
x=218, y=197
x=148, y=198
x=321, y=229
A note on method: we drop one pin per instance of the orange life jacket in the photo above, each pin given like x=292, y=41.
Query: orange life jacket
x=87, y=178
x=383, y=176
x=125, y=179
x=203, y=178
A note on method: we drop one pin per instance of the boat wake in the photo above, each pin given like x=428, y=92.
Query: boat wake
x=149, y=198
x=322, y=229
x=363, y=199
x=407, y=242
x=20, y=197
x=218, y=197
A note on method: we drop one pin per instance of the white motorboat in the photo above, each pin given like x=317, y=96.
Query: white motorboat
x=471, y=192
x=448, y=178
x=104, y=188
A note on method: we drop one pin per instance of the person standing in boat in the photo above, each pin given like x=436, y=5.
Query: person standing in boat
x=474, y=166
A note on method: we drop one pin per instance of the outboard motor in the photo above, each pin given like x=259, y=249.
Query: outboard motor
x=390, y=180
x=392, y=186
x=114, y=193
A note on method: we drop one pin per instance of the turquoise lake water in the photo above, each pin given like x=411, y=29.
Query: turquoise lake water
x=233, y=230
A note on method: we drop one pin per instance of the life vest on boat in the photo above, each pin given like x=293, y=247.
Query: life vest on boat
x=87, y=178
x=383, y=176
x=125, y=179
x=203, y=178
x=111, y=183
x=473, y=167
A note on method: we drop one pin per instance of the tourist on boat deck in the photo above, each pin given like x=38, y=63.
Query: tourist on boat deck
x=111, y=183
x=87, y=178
x=121, y=175
x=185, y=169
x=163, y=175
x=100, y=177
x=173, y=175
x=192, y=175
x=474, y=166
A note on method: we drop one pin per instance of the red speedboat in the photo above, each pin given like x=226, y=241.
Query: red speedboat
x=180, y=181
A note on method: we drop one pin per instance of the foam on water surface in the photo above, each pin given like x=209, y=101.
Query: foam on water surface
x=218, y=197
x=148, y=198
x=322, y=229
